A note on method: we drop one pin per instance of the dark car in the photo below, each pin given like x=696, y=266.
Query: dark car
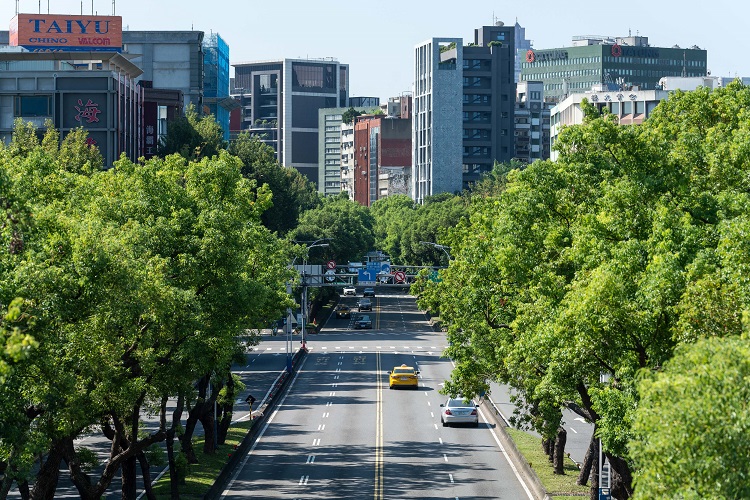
x=368, y=292
x=364, y=305
x=363, y=322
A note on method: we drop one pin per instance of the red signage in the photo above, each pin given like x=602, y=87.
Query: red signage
x=56, y=33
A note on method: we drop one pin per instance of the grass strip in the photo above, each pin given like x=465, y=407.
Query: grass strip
x=201, y=476
x=559, y=487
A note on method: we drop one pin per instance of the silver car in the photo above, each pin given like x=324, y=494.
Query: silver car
x=458, y=411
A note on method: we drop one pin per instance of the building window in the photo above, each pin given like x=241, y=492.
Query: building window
x=33, y=105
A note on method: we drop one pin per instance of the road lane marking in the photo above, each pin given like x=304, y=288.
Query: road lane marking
x=325, y=415
x=507, y=457
x=310, y=459
x=435, y=426
x=303, y=480
x=451, y=476
x=445, y=457
x=378, y=492
x=322, y=427
x=262, y=432
x=432, y=415
x=441, y=440
x=572, y=429
x=316, y=442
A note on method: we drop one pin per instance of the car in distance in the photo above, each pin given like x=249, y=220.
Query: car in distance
x=368, y=292
x=403, y=376
x=350, y=290
x=364, y=305
x=459, y=411
x=343, y=311
x=362, y=322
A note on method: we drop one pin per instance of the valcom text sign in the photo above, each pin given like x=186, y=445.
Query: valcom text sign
x=55, y=33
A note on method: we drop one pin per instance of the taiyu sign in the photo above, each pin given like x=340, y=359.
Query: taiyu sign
x=63, y=33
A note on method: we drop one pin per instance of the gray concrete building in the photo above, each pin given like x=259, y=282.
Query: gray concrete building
x=437, y=117
x=330, y=138
x=532, y=130
x=280, y=101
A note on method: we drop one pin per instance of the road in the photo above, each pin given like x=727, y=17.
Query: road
x=341, y=433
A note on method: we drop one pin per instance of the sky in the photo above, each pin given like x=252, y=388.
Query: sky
x=377, y=39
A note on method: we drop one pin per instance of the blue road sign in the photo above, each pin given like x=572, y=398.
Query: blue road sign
x=367, y=276
x=385, y=268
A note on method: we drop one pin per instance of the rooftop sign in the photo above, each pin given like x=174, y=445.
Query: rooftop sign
x=56, y=33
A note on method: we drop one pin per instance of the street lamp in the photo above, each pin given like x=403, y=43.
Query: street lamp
x=444, y=248
x=316, y=243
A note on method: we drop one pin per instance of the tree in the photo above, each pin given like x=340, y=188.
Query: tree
x=134, y=283
x=345, y=224
x=192, y=136
x=691, y=425
x=292, y=193
x=579, y=274
x=349, y=115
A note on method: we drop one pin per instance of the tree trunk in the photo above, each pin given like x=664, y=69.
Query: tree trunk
x=226, y=409
x=547, y=447
x=186, y=440
x=49, y=473
x=146, y=476
x=174, y=484
x=621, y=479
x=80, y=479
x=23, y=489
x=129, y=473
x=559, y=459
x=594, y=491
x=209, y=433
x=583, y=477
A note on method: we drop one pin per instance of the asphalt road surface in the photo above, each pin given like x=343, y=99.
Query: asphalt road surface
x=341, y=433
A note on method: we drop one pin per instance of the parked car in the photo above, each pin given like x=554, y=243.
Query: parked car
x=363, y=321
x=368, y=292
x=350, y=290
x=364, y=305
x=403, y=376
x=343, y=311
x=459, y=411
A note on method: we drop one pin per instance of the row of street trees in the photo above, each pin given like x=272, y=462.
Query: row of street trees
x=126, y=288
x=615, y=282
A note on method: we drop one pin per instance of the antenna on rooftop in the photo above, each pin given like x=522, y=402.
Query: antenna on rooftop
x=113, y=7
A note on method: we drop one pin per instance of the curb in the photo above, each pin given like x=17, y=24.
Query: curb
x=536, y=486
x=273, y=396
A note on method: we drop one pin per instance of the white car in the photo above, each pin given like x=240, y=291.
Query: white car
x=458, y=411
x=350, y=290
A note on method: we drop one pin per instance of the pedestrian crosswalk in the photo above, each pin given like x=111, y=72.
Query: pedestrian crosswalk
x=312, y=347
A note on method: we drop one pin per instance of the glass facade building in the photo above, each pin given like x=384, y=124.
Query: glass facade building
x=216, y=80
x=615, y=62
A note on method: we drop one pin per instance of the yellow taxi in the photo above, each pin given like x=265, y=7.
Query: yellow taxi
x=403, y=376
x=343, y=311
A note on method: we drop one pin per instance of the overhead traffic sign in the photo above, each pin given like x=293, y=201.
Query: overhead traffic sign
x=367, y=276
x=331, y=264
x=399, y=276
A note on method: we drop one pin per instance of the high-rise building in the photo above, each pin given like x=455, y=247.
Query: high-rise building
x=522, y=46
x=280, y=101
x=464, y=100
x=617, y=62
x=532, y=136
x=437, y=120
x=216, y=100
x=382, y=157
x=488, y=100
x=330, y=154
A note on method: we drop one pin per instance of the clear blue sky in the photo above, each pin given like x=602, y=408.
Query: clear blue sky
x=377, y=38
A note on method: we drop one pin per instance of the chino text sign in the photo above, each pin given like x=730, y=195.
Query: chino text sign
x=54, y=33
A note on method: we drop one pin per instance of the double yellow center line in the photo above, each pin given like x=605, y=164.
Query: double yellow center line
x=378, y=493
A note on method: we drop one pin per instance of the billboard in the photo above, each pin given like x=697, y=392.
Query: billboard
x=65, y=33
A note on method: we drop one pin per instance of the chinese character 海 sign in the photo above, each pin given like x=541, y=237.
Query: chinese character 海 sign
x=88, y=112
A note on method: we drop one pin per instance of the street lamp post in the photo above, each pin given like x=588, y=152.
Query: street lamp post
x=316, y=243
x=444, y=248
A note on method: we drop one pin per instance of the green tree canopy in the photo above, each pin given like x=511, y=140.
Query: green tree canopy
x=192, y=136
x=580, y=273
x=292, y=193
x=693, y=424
x=347, y=225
